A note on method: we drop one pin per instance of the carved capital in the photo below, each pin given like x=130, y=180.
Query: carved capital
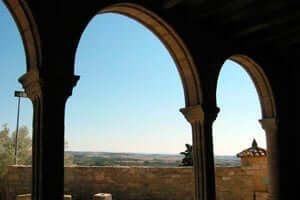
x=197, y=113
x=38, y=85
x=193, y=113
x=31, y=84
x=269, y=124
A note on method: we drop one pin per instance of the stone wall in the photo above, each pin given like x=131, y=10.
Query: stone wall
x=143, y=183
x=17, y=181
x=240, y=183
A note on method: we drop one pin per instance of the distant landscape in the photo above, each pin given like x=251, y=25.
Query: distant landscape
x=140, y=159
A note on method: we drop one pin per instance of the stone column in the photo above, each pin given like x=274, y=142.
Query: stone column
x=49, y=95
x=203, y=156
x=270, y=127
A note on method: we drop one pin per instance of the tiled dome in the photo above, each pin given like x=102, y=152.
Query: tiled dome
x=253, y=151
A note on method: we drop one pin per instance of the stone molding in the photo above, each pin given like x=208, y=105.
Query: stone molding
x=193, y=113
x=37, y=85
x=269, y=124
x=31, y=84
x=197, y=113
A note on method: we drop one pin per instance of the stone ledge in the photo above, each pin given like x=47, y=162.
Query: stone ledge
x=102, y=196
x=28, y=197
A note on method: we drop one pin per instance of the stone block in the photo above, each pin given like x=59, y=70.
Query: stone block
x=261, y=195
x=24, y=197
x=28, y=197
x=67, y=197
x=226, y=178
x=231, y=173
x=102, y=196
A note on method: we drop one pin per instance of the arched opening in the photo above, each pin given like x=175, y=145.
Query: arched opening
x=134, y=70
x=176, y=47
x=143, y=66
x=16, y=110
x=239, y=111
x=244, y=97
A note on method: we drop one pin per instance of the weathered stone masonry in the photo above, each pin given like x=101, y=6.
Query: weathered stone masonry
x=143, y=183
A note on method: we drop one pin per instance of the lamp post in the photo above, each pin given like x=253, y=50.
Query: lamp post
x=18, y=94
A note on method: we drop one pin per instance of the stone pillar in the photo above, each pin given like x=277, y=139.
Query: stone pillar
x=48, y=94
x=203, y=156
x=270, y=127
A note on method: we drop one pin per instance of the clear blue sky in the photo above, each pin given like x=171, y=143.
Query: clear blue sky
x=129, y=93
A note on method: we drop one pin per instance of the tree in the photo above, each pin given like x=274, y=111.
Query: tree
x=7, y=148
x=24, y=156
x=24, y=153
x=188, y=156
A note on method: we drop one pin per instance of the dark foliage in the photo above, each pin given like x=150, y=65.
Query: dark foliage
x=188, y=156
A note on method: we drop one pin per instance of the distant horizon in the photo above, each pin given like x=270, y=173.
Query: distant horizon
x=135, y=153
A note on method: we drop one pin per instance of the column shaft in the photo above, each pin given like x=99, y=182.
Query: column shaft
x=270, y=127
x=49, y=96
x=203, y=157
x=48, y=149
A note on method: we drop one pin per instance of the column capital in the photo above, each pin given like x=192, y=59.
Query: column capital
x=197, y=113
x=36, y=84
x=31, y=84
x=269, y=123
x=193, y=113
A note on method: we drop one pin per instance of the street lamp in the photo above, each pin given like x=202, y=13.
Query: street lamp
x=18, y=94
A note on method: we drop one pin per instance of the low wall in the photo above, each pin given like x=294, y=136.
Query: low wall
x=239, y=183
x=143, y=183
x=16, y=181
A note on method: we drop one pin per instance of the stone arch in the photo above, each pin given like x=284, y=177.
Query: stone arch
x=174, y=44
x=27, y=27
x=268, y=121
x=262, y=84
